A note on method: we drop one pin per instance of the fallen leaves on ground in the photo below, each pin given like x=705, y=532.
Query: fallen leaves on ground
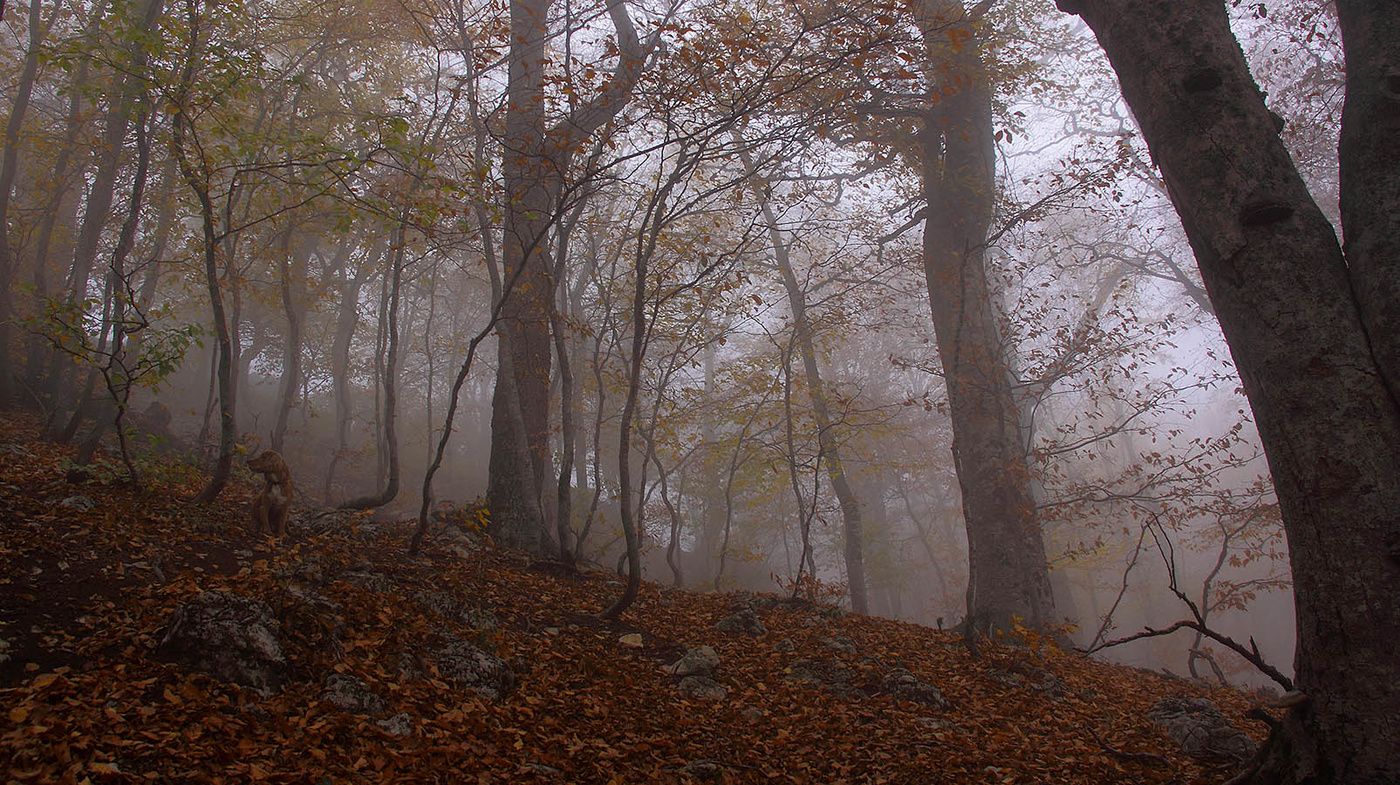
x=90, y=574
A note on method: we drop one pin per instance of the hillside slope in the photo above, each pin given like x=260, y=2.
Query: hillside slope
x=389, y=668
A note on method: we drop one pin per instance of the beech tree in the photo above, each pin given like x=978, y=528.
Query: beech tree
x=1311, y=326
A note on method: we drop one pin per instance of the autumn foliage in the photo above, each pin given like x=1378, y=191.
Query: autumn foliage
x=93, y=572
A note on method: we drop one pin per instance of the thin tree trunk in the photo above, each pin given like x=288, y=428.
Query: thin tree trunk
x=816, y=393
x=292, y=269
x=390, y=490
x=198, y=182
x=345, y=324
x=9, y=163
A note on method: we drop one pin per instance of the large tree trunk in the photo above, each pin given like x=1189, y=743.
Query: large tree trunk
x=9, y=163
x=513, y=489
x=535, y=171
x=1008, y=574
x=1312, y=333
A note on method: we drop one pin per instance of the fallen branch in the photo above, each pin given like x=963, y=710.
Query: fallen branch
x=1250, y=654
x=1140, y=757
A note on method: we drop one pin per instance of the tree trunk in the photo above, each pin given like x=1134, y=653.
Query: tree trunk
x=390, y=490
x=198, y=181
x=525, y=254
x=61, y=209
x=340, y=358
x=816, y=394
x=535, y=170
x=1312, y=334
x=292, y=268
x=99, y=202
x=9, y=163
x=1008, y=576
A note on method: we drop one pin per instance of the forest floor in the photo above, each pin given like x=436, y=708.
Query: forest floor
x=91, y=573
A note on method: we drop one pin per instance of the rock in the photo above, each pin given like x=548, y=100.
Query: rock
x=706, y=770
x=1201, y=730
x=314, y=620
x=699, y=661
x=702, y=687
x=830, y=674
x=905, y=686
x=752, y=714
x=785, y=645
x=746, y=621
x=371, y=581
x=229, y=637
x=398, y=725
x=350, y=694
x=841, y=644
x=480, y=671
x=631, y=640
x=78, y=503
x=1052, y=686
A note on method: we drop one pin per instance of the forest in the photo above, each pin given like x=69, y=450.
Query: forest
x=1007, y=318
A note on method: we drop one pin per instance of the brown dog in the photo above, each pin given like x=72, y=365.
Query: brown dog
x=274, y=502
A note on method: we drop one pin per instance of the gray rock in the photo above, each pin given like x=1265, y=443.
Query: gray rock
x=371, y=581
x=476, y=669
x=229, y=637
x=785, y=645
x=830, y=674
x=702, y=687
x=350, y=694
x=745, y=621
x=701, y=660
x=841, y=644
x=903, y=685
x=399, y=725
x=78, y=503
x=704, y=770
x=1201, y=730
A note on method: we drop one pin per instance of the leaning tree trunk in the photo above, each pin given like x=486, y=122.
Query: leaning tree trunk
x=816, y=394
x=97, y=210
x=1008, y=576
x=1312, y=333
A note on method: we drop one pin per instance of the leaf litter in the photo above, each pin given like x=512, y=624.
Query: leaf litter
x=87, y=589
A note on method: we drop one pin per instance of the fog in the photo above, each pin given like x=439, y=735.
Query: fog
x=353, y=176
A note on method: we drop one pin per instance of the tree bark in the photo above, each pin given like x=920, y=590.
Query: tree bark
x=1312, y=334
x=526, y=173
x=535, y=172
x=1008, y=573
